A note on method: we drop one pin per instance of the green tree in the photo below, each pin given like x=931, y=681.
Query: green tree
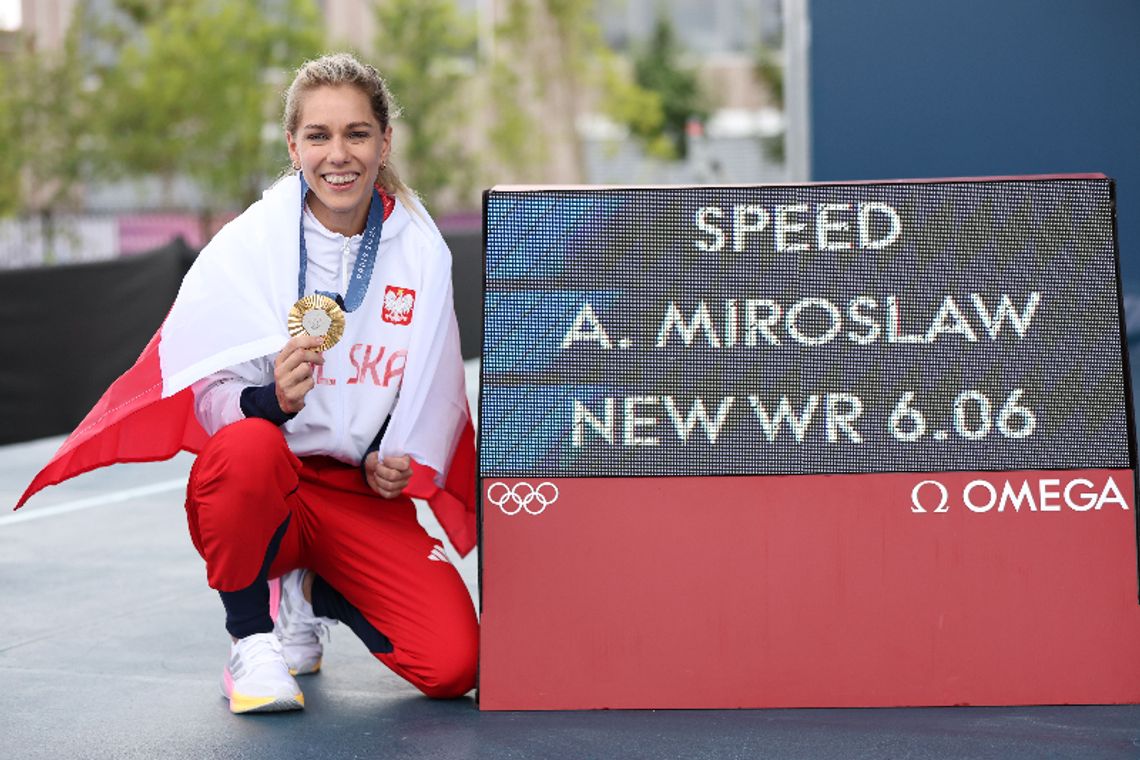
x=552, y=65
x=11, y=122
x=194, y=91
x=658, y=68
x=45, y=112
x=426, y=49
x=514, y=140
x=769, y=69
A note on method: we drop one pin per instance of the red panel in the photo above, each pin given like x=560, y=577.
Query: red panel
x=809, y=591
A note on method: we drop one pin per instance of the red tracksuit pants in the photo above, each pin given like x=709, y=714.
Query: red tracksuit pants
x=246, y=483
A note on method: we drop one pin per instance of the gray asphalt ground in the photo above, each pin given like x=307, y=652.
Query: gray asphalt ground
x=112, y=645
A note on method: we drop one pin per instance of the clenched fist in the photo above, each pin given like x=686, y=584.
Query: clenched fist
x=388, y=476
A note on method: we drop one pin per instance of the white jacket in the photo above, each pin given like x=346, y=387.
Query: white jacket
x=398, y=355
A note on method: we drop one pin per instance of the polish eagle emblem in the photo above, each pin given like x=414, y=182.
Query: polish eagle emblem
x=398, y=305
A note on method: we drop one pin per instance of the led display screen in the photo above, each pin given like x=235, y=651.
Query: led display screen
x=891, y=327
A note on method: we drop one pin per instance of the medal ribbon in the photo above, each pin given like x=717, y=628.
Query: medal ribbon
x=365, y=259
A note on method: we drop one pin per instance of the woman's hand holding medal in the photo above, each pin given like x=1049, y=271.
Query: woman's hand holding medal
x=293, y=371
x=315, y=323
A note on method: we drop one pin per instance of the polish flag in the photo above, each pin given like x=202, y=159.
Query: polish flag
x=147, y=414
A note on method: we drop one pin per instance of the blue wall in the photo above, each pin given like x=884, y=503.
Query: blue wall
x=945, y=88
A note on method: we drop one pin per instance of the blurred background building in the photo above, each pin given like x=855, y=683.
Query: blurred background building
x=128, y=122
x=125, y=117
x=493, y=91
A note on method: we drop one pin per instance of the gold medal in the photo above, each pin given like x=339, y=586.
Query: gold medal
x=318, y=316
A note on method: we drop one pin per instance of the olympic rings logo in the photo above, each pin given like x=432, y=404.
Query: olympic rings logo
x=521, y=496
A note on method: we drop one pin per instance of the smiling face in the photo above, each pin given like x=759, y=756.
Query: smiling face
x=340, y=145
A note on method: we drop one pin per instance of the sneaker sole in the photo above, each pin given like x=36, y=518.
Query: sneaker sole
x=306, y=671
x=241, y=704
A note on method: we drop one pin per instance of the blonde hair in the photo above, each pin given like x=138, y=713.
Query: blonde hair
x=340, y=69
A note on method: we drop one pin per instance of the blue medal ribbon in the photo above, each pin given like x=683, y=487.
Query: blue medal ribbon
x=365, y=259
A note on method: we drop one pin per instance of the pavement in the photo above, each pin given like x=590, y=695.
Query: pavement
x=112, y=645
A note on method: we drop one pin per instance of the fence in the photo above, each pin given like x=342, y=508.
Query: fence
x=79, y=327
x=71, y=238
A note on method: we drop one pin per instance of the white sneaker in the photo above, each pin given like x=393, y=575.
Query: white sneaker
x=256, y=678
x=299, y=630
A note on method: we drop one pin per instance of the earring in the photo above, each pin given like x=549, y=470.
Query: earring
x=296, y=166
x=383, y=165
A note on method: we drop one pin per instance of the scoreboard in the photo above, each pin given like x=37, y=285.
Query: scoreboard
x=849, y=389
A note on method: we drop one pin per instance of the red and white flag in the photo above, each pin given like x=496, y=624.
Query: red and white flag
x=230, y=309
